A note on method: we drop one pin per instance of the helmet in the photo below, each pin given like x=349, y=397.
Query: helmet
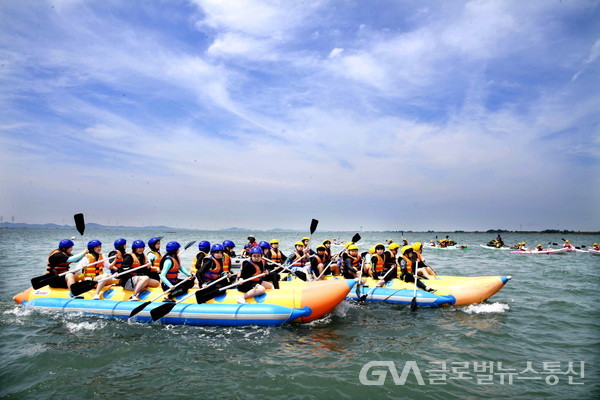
x=595, y=244
x=539, y=245
x=251, y=237
x=305, y=238
x=298, y=243
x=94, y=243
x=204, y=246
x=326, y=241
x=137, y=243
x=406, y=249
x=372, y=249
x=274, y=241
x=216, y=247
x=228, y=243
x=321, y=248
x=379, y=246
x=247, y=245
x=65, y=244
x=264, y=245
x=353, y=247
x=120, y=242
x=349, y=244
x=255, y=250
x=172, y=246
x=152, y=241
x=394, y=246
x=417, y=246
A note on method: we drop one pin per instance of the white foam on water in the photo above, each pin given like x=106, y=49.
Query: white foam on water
x=87, y=326
x=19, y=311
x=486, y=308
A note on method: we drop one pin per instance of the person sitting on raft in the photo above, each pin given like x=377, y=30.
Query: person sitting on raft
x=539, y=247
x=274, y=254
x=228, y=247
x=377, y=261
x=253, y=267
x=203, y=250
x=119, y=252
x=252, y=242
x=596, y=247
x=407, y=262
x=58, y=263
x=299, y=262
x=212, y=268
x=272, y=276
x=567, y=245
x=138, y=280
x=246, y=251
x=390, y=261
x=170, y=267
x=154, y=257
x=318, y=261
x=424, y=269
x=95, y=272
x=306, y=241
x=351, y=263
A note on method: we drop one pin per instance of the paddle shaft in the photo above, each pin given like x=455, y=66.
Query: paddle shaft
x=187, y=296
x=413, y=303
x=375, y=287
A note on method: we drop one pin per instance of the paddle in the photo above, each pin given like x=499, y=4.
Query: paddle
x=354, y=239
x=79, y=223
x=83, y=286
x=282, y=266
x=43, y=280
x=162, y=310
x=413, y=303
x=364, y=296
x=313, y=228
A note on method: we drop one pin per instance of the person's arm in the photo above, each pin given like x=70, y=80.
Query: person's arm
x=184, y=270
x=76, y=257
x=127, y=262
x=163, y=274
x=348, y=265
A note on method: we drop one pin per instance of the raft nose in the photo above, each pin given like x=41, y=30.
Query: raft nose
x=23, y=296
x=323, y=296
x=505, y=279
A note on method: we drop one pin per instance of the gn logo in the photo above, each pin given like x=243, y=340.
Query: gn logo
x=379, y=371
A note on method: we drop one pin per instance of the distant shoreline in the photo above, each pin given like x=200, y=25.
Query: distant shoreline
x=10, y=225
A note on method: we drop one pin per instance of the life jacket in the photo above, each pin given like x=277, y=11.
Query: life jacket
x=319, y=259
x=156, y=265
x=409, y=264
x=57, y=269
x=355, y=261
x=197, y=258
x=214, y=273
x=93, y=271
x=276, y=256
x=226, y=262
x=379, y=264
x=173, y=273
x=299, y=263
x=258, y=269
x=136, y=263
x=119, y=258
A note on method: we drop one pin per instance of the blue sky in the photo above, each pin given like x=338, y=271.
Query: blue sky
x=390, y=115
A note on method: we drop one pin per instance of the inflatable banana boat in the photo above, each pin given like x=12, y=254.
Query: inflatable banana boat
x=450, y=290
x=275, y=307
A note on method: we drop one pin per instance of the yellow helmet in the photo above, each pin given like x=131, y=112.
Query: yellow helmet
x=305, y=238
x=417, y=246
x=353, y=247
x=406, y=248
x=539, y=245
x=274, y=241
x=299, y=243
x=349, y=244
x=372, y=250
x=394, y=246
x=326, y=241
x=595, y=244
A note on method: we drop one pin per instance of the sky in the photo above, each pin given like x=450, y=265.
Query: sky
x=374, y=115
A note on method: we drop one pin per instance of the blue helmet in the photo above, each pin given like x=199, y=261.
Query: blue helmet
x=120, y=242
x=153, y=241
x=256, y=249
x=204, y=246
x=65, y=244
x=94, y=243
x=137, y=243
x=264, y=245
x=216, y=247
x=228, y=243
x=172, y=246
x=247, y=245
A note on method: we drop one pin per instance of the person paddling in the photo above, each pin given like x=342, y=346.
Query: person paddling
x=154, y=257
x=59, y=260
x=118, y=253
x=138, y=280
x=299, y=262
x=425, y=270
x=170, y=267
x=212, y=268
x=407, y=264
x=318, y=261
x=377, y=261
x=253, y=267
x=351, y=263
x=95, y=272
x=203, y=251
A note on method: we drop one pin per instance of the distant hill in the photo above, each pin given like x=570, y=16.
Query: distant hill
x=91, y=225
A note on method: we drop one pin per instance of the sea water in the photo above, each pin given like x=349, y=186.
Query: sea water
x=535, y=339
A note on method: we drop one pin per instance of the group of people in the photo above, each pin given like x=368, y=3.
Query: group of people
x=261, y=268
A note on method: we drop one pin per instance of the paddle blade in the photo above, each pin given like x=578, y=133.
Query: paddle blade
x=138, y=309
x=81, y=287
x=356, y=238
x=203, y=297
x=42, y=280
x=187, y=246
x=413, y=304
x=79, y=223
x=313, y=226
x=162, y=310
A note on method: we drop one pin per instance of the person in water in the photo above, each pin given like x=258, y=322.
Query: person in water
x=252, y=268
x=95, y=272
x=170, y=267
x=154, y=257
x=138, y=280
x=118, y=252
x=59, y=260
x=408, y=262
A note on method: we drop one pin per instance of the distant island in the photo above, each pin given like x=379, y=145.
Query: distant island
x=20, y=225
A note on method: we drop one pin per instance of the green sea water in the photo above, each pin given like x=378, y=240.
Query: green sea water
x=529, y=341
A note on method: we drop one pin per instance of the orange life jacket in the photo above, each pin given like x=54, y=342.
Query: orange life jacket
x=297, y=262
x=379, y=265
x=276, y=255
x=157, y=258
x=118, y=259
x=226, y=262
x=257, y=271
x=93, y=271
x=214, y=273
x=57, y=269
x=173, y=272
